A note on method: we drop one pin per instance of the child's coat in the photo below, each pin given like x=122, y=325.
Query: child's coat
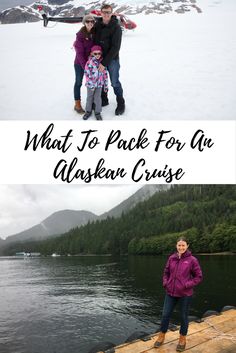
x=94, y=77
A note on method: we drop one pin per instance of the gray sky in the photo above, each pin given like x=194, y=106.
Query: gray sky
x=23, y=206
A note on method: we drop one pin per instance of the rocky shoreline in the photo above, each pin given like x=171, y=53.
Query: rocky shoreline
x=23, y=14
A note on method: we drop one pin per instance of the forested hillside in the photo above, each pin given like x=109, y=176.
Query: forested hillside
x=206, y=214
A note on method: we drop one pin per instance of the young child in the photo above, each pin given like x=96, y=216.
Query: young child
x=95, y=81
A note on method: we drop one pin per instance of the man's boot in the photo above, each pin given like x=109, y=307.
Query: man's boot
x=120, y=105
x=105, y=100
x=182, y=343
x=78, y=108
x=160, y=340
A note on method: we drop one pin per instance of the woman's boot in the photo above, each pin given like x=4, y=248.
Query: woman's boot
x=182, y=343
x=78, y=108
x=160, y=340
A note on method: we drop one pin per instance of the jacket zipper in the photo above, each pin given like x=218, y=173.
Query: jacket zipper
x=175, y=276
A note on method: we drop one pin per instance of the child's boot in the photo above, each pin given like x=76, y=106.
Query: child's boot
x=182, y=343
x=160, y=340
x=98, y=116
x=87, y=115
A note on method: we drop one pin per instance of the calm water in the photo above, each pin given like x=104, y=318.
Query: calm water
x=68, y=305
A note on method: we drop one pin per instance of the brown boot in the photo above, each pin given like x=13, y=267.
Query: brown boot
x=78, y=107
x=182, y=343
x=160, y=340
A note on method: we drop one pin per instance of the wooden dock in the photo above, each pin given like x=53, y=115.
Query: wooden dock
x=214, y=334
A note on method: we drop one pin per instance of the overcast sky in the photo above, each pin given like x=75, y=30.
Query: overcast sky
x=23, y=206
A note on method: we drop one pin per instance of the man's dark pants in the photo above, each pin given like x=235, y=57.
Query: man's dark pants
x=113, y=69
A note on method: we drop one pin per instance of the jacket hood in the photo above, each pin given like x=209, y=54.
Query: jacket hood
x=187, y=253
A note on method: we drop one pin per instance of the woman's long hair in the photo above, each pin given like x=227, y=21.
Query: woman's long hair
x=87, y=35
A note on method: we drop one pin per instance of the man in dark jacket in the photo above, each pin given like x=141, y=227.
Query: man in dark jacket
x=108, y=35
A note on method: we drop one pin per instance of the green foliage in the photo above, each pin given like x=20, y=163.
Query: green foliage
x=205, y=214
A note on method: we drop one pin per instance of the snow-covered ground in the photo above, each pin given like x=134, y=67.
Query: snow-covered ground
x=172, y=67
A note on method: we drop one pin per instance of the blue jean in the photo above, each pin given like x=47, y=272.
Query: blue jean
x=169, y=304
x=79, y=74
x=113, y=69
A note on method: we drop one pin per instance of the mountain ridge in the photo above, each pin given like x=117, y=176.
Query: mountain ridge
x=71, y=8
x=205, y=214
x=60, y=222
x=56, y=223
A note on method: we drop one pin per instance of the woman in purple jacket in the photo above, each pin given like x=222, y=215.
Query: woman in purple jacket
x=82, y=45
x=182, y=272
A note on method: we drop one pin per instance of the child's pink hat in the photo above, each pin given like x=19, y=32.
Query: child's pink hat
x=96, y=48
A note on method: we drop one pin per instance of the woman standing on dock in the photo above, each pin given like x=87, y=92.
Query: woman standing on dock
x=182, y=272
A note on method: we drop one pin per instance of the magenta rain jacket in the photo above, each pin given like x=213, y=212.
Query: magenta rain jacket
x=82, y=47
x=181, y=274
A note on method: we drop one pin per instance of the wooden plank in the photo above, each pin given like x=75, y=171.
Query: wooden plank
x=199, y=338
x=220, y=344
x=140, y=346
x=227, y=314
x=199, y=333
x=193, y=340
x=224, y=326
x=199, y=342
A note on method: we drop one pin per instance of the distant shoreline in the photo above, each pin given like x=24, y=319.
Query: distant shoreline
x=218, y=253
x=224, y=253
